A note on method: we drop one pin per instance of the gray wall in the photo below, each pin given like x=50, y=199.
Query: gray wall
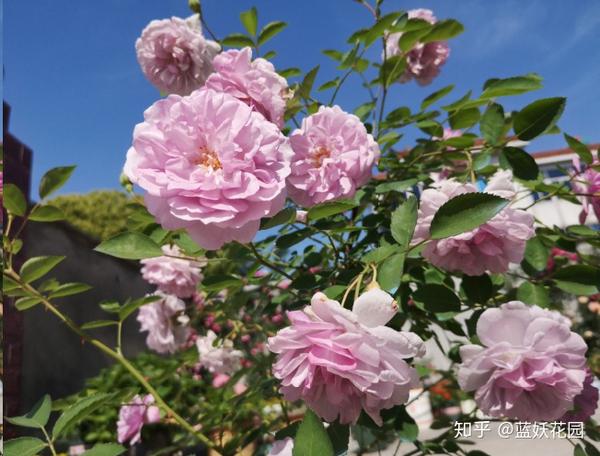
x=54, y=359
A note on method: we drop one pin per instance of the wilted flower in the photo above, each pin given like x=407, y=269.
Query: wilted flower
x=176, y=276
x=333, y=156
x=174, y=55
x=424, y=60
x=282, y=447
x=531, y=367
x=166, y=323
x=585, y=403
x=255, y=82
x=587, y=182
x=218, y=358
x=210, y=165
x=489, y=247
x=340, y=361
x=133, y=416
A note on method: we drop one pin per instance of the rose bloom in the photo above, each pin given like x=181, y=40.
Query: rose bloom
x=282, y=447
x=587, y=181
x=218, y=358
x=340, y=361
x=531, y=366
x=333, y=156
x=585, y=403
x=489, y=247
x=133, y=416
x=166, y=323
x=210, y=165
x=176, y=276
x=424, y=60
x=255, y=82
x=174, y=55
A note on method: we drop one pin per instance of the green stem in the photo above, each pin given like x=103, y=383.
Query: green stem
x=49, y=440
x=266, y=262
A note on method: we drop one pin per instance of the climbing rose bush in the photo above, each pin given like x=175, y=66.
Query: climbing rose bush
x=328, y=270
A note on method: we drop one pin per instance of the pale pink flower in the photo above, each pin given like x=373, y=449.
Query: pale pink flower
x=174, y=55
x=166, y=323
x=424, y=60
x=531, y=366
x=282, y=447
x=587, y=182
x=301, y=216
x=255, y=82
x=210, y=165
x=240, y=386
x=333, y=156
x=585, y=403
x=341, y=362
x=220, y=380
x=176, y=276
x=133, y=416
x=491, y=246
x=218, y=357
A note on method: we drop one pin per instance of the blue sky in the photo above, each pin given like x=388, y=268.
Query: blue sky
x=76, y=90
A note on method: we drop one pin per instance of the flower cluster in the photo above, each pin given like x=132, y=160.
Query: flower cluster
x=220, y=357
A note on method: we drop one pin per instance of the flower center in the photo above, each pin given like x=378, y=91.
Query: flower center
x=208, y=159
x=319, y=155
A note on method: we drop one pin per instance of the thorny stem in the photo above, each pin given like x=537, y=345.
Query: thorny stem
x=114, y=355
x=266, y=262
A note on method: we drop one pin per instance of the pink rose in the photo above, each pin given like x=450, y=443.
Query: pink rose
x=491, y=246
x=133, y=416
x=424, y=60
x=176, y=276
x=166, y=323
x=174, y=55
x=218, y=357
x=282, y=447
x=256, y=83
x=333, y=156
x=340, y=361
x=220, y=380
x=587, y=182
x=531, y=366
x=210, y=165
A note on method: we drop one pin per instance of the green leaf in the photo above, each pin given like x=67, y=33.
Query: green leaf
x=130, y=245
x=464, y=213
x=437, y=298
x=23, y=446
x=536, y=254
x=131, y=306
x=478, y=288
x=364, y=110
x=398, y=186
x=391, y=69
x=404, y=220
x=221, y=282
x=290, y=72
x=37, y=417
x=339, y=434
x=287, y=215
x=511, y=86
x=380, y=253
x=578, y=279
x=68, y=289
x=311, y=438
x=334, y=291
x=237, y=40
x=13, y=200
x=464, y=118
x=78, y=412
x=579, y=451
x=328, y=209
x=522, y=164
x=46, y=213
x=333, y=54
x=492, y=123
x=443, y=30
x=435, y=96
x=408, y=39
x=27, y=302
x=105, y=449
x=308, y=82
x=290, y=239
x=54, y=179
x=538, y=117
x=269, y=31
x=390, y=272
x=250, y=20
x=98, y=324
x=580, y=149
x=380, y=28
x=532, y=294
x=36, y=267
